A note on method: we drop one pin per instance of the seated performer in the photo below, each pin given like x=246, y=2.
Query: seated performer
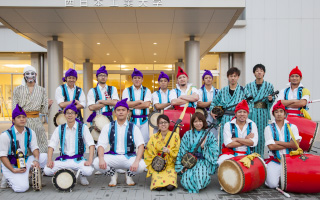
x=73, y=138
x=68, y=92
x=123, y=137
x=179, y=96
x=240, y=134
x=168, y=177
x=198, y=177
x=19, y=137
x=279, y=142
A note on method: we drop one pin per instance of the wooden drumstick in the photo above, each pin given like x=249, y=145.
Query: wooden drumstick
x=282, y=192
x=314, y=101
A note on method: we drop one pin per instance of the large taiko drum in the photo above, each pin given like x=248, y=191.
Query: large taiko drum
x=174, y=116
x=301, y=173
x=235, y=178
x=308, y=130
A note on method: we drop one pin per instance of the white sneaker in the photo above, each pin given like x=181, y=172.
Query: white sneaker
x=4, y=183
x=84, y=180
x=129, y=180
x=98, y=173
x=113, y=181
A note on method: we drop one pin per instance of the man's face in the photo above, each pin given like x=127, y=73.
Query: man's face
x=182, y=80
x=70, y=116
x=242, y=115
x=163, y=83
x=259, y=73
x=102, y=78
x=137, y=81
x=121, y=113
x=30, y=76
x=233, y=79
x=295, y=79
x=71, y=80
x=279, y=114
x=20, y=121
x=208, y=80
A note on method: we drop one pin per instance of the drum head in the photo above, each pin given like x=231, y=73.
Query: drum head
x=230, y=176
x=153, y=119
x=100, y=121
x=95, y=134
x=64, y=180
x=59, y=119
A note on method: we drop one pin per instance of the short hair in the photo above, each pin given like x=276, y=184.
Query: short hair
x=162, y=116
x=259, y=66
x=233, y=70
x=201, y=117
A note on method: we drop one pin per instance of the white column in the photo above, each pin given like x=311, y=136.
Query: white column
x=55, y=71
x=192, y=61
x=87, y=84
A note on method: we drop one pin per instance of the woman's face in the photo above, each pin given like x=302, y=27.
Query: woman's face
x=163, y=125
x=198, y=124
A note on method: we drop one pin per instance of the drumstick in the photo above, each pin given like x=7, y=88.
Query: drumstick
x=314, y=101
x=78, y=173
x=282, y=192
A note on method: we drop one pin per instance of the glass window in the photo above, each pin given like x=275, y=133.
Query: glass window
x=163, y=67
x=14, y=62
x=137, y=66
x=67, y=64
x=111, y=66
x=210, y=62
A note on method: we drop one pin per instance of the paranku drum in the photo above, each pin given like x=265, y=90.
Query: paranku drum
x=153, y=118
x=301, y=173
x=174, y=116
x=59, y=119
x=97, y=124
x=202, y=111
x=235, y=178
x=64, y=180
x=36, y=179
x=308, y=130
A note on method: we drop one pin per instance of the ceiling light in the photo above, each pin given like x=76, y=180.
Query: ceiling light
x=108, y=54
x=155, y=43
x=155, y=61
x=154, y=54
x=114, y=61
x=16, y=66
x=98, y=43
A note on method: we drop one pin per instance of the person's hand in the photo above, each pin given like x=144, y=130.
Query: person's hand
x=102, y=164
x=36, y=164
x=17, y=170
x=166, y=150
x=77, y=102
x=270, y=98
x=50, y=102
x=134, y=166
x=251, y=135
x=204, y=141
x=88, y=163
x=50, y=164
x=214, y=116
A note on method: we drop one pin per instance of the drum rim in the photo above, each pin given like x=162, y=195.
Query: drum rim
x=265, y=168
x=283, y=175
x=316, y=132
x=95, y=125
x=55, y=117
x=149, y=118
x=54, y=182
x=242, y=179
x=205, y=112
x=36, y=175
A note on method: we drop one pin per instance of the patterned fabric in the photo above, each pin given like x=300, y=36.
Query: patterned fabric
x=198, y=177
x=260, y=115
x=154, y=148
x=35, y=101
x=224, y=99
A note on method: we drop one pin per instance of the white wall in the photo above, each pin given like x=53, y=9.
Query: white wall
x=280, y=34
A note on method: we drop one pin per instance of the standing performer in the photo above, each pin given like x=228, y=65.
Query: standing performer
x=179, y=96
x=168, y=177
x=295, y=98
x=102, y=98
x=123, y=137
x=72, y=137
x=198, y=177
x=260, y=110
x=160, y=98
x=279, y=142
x=227, y=96
x=33, y=100
x=68, y=92
x=240, y=134
x=139, y=100
x=19, y=137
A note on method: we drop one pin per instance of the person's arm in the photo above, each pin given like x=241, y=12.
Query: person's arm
x=244, y=141
x=143, y=105
x=288, y=145
x=202, y=104
x=178, y=102
x=88, y=140
x=36, y=154
x=134, y=167
x=190, y=98
x=50, y=162
x=102, y=162
x=91, y=154
x=294, y=103
x=132, y=104
x=160, y=106
x=109, y=102
x=5, y=161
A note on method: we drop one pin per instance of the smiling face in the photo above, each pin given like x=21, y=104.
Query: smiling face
x=295, y=79
x=163, y=125
x=71, y=80
x=70, y=116
x=137, y=81
x=182, y=80
x=242, y=115
x=198, y=124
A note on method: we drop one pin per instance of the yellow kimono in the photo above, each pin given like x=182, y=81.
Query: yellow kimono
x=154, y=148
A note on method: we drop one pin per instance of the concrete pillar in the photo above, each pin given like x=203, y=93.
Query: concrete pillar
x=192, y=61
x=180, y=63
x=55, y=71
x=35, y=62
x=87, y=83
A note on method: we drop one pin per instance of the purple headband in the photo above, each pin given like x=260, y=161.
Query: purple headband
x=136, y=73
x=102, y=70
x=18, y=111
x=70, y=72
x=163, y=75
x=207, y=72
x=122, y=103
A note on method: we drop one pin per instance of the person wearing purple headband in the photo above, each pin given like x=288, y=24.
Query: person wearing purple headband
x=68, y=92
x=12, y=139
x=102, y=98
x=126, y=147
x=72, y=137
x=160, y=98
x=139, y=100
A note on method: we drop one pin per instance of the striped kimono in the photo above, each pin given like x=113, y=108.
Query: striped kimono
x=260, y=115
x=224, y=99
x=35, y=101
x=198, y=177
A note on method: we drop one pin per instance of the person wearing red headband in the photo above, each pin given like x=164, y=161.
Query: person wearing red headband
x=279, y=142
x=295, y=97
x=179, y=96
x=240, y=134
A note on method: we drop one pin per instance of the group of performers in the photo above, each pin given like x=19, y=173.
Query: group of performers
x=124, y=144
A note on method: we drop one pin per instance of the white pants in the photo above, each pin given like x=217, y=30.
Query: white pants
x=19, y=182
x=69, y=164
x=225, y=157
x=273, y=174
x=144, y=128
x=119, y=162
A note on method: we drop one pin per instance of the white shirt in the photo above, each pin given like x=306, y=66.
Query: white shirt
x=60, y=98
x=227, y=135
x=103, y=140
x=92, y=101
x=173, y=93
x=292, y=95
x=70, y=137
x=5, y=141
x=137, y=95
x=268, y=135
x=209, y=94
x=164, y=98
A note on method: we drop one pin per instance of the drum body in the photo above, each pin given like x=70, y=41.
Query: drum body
x=59, y=119
x=36, y=179
x=300, y=174
x=308, y=130
x=153, y=118
x=235, y=178
x=100, y=121
x=64, y=180
x=174, y=115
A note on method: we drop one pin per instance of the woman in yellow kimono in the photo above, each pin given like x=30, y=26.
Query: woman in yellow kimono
x=168, y=177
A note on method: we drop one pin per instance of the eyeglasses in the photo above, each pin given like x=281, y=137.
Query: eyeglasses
x=102, y=75
x=163, y=123
x=70, y=113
